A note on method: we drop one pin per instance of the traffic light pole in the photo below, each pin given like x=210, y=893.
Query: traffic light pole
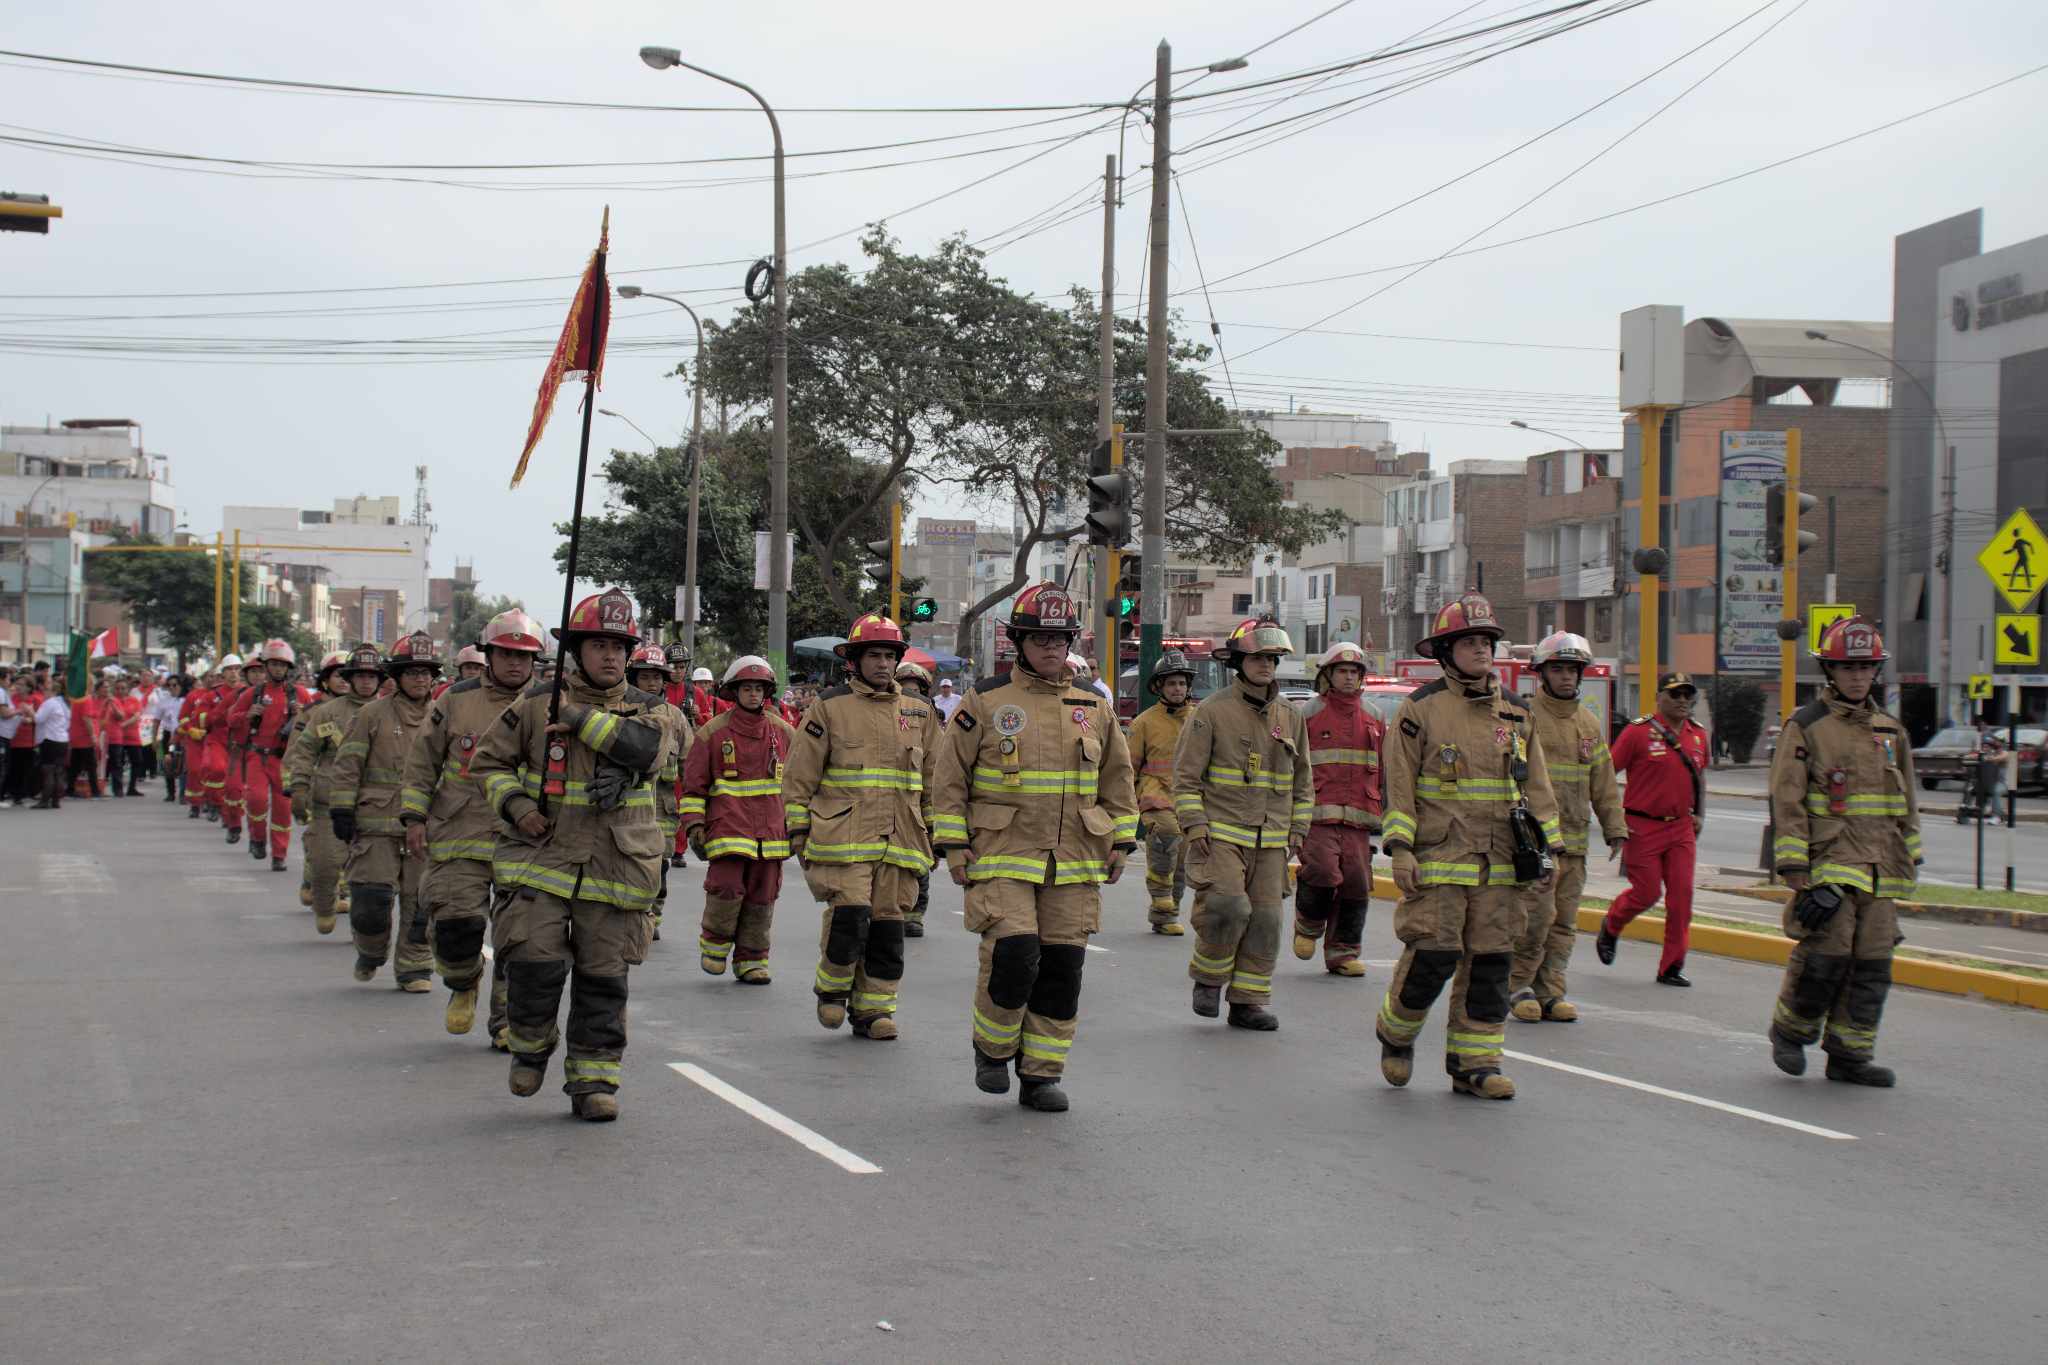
x=896, y=564
x=1788, y=650
x=1106, y=428
x=1152, y=598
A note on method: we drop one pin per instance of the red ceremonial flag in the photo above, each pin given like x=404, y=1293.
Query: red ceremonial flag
x=106, y=644
x=579, y=353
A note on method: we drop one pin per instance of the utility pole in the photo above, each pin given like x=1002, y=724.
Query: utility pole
x=217, y=566
x=1106, y=428
x=1789, y=634
x=1152, y=595
x=235, y=599
x=896, y=565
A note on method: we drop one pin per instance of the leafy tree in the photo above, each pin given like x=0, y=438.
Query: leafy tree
x=171, y=594
x=472, y=613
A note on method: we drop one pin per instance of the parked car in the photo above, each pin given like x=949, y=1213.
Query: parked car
x=1940, y=759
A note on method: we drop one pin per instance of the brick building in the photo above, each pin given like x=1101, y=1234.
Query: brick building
x=1462, y=528
x=1573, y=501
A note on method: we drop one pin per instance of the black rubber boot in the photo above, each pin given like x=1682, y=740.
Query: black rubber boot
x=1257, y=1018
x=1397, y=1064
x=1603, y=944
x=1861, y=1073
x=256, y=850
x=1672, y=976
x=1789, y=1056
x=913, y=928
x=526, y=1075
x=195, y=812
x=991, y=1074
x=277, y=865
x=234, y=836
x=1044, y=1096
x=1208, y=1000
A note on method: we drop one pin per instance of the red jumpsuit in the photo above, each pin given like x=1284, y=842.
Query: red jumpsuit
x=732, y=790
x=1658, y=802
x=235, y=723
x=262, y=761
x=208, y=778
x=1344, y=744
x=686, y=699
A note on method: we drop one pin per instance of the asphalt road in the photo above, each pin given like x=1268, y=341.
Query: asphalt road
x=218, y=1147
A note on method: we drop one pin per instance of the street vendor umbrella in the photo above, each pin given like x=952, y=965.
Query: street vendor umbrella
x=917, y=656
x=941, y=659
x=817, y=644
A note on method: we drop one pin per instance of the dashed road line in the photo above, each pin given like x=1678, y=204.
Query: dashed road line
x=780, y=1122
x=1701, y=1100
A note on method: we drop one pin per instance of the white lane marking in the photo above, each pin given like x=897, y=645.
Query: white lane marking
x=781, y=1123
x=78, y=873
x=1756, y=1114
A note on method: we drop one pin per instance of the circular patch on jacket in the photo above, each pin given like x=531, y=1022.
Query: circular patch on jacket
x=1009, y=718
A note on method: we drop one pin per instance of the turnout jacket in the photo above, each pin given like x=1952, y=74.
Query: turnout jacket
x=1843, y=798
x=369, y=772
x=1580, y=769
x=270, y=733
x=316, y=743
x=615, y=855
x=856, y=787
x=1241, y=771
x=1152, y=739
x=1344, y=743
x=207, y=721
x=437, y=791
x=732, y=785
x=1034, y=769
x=1451, y=784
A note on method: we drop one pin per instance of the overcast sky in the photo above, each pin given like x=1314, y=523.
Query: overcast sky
x=286, y=396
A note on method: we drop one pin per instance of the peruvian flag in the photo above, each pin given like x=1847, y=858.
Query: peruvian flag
x=106, y=645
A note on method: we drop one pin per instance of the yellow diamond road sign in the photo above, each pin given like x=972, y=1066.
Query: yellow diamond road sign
x=1980, y=686
x=1820, y=616
x=2017, y=559
x=2018, y=640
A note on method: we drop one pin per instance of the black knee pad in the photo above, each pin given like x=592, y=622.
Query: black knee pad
x=1870, y=981
x=597, y=1013
x=1814, y=992
x=885, y=949
x=924, y=894
x=369, y=909
x=1013, y=970
x=415, y=924
x=1350, y=925
x=533, y=994
x=1057, y=994
x=849, y=931
x=1486, y=990
x=1313, y=903
x=459, y=940
x=1431, y=968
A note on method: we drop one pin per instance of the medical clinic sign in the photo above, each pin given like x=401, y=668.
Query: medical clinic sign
x=1752, y=589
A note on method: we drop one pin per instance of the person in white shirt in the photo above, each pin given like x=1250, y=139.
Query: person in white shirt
x=948, y=701
x=53, y=747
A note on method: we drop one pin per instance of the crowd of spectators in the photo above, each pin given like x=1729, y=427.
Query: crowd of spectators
x=99, y=746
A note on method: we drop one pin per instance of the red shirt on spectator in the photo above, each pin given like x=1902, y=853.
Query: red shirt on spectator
x=84, y=710
x=25, y=733
x=127, y=711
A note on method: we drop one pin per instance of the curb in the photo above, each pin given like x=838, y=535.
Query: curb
x=2035, y=921
x=2005, y=987
x=2027, y=817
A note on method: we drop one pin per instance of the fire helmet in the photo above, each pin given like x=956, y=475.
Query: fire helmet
x=1471, y=614
x=678, y=655
x=1172, y=664
x=606, y=616
x=1260, y=635
x=364, y=658
x=908, y=672
x=513, y=629
x=280, y=650
x=414, y=651
x=645, y=658
x=470, y=654
x=1343, y=652
x=872, y=629
x=701, y=675
x=1561, y=647
x=1043, y=607
x=1852, y=640
x=746, y=668
x=230, y=661
x=337, y=659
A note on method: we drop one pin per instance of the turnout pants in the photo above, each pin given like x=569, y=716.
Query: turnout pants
x=1544, y=948
x=547, y=943
x=1461, y=936
x=1334, y=889
x=739, y=909
x=1027, y=995
x=270, y=813
x=1658, y=852
x=1840, y=973
x=382, y=880
x=455, y=898
x=209, y=776
x=1237, y=918
x=325, y=857
x=234, y=759
x=860, y=951
x=1166, y=864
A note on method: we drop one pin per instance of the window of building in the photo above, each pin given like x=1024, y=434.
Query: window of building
x=1240, y=604
x=1176, y=578
x=1440, y=501
x=1696, y=520
x=1311, y=587
x=1546, y=619
x=1191, y=603
x=1696, y=611
x=1329, y=583
x=1603, y=623
x=1278, y=592
x=1315, y=638
x=1543, y=477
x=1259, y=590
x=1440, y=566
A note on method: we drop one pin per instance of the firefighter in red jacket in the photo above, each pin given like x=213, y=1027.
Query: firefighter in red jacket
x=1663, y=756
x=1344, y=744
x=234, y=722
x=683, y=697
x=262, y=716
x=191, y=734
x=209, y=727
x=732, y=816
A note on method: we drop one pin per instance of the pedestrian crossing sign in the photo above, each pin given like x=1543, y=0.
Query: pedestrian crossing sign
x=2017, y=560
x=1820, y=616
x=1980, y=686
x=2017, y=640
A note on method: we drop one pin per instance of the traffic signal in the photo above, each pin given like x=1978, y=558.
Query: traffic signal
x=884, y=572
x=924, y=609
x=1124, y=606
x=1110, y=490
x=26, y=212
x=1774, y=524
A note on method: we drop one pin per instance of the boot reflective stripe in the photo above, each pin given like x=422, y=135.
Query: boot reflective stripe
x=1213, y=966
x=1796, y=1027
x=1857, y=1039
x=1242, y=980
x=515, y=1042
x=873, y=1002
x=586, y=1069
x=1475, y=1044
x=998, y=1036
x=1044, y=1049
x=834, y=980
x=710, y=949
x=1401, y=1031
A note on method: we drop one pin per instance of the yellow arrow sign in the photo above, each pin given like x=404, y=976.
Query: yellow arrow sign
x=2017, y=559
x=1820, y=616
x=1980, y=686
x=2017, y=640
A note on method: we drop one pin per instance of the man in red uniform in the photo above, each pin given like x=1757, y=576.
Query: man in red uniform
x=732, y=816
x=233, y=723
x=1663, y=756
x=1344, y=743
x=192, y=734
x=681, y=695
x=263, y=717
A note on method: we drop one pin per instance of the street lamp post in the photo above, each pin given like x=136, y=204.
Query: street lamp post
x=661, y=59
x=689, y=612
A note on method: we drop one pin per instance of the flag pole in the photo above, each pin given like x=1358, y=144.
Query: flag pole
x=597, y=339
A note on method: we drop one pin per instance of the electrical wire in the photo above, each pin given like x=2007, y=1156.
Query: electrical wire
x=1215, y=330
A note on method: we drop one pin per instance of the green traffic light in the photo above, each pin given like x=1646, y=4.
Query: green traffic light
x=1126, y=606
x=924, y=609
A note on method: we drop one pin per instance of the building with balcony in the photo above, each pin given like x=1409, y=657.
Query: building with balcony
x=1448, y=531
x=1568, y=549
x=85, y=473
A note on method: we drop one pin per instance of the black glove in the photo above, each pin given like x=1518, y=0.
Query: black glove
x=1816, y=905
x=344, y=822
x=609, y=785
